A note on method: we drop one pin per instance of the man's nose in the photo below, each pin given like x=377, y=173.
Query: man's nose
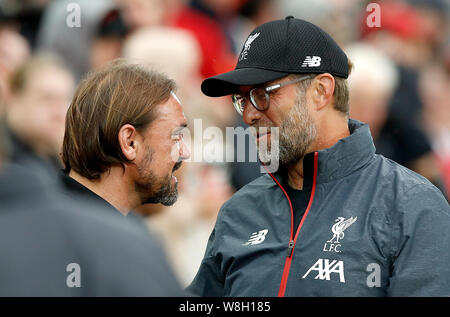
x=185, y=153
x=250, y=114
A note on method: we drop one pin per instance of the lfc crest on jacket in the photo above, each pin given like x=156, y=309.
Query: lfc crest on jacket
x=338, y=230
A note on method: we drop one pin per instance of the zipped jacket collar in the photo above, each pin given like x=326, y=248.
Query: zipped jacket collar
x=343, y=158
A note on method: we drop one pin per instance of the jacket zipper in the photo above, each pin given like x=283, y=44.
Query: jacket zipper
x=292, y=241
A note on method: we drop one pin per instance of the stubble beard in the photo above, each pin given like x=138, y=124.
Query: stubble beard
x=152, y=189
x=295, y=135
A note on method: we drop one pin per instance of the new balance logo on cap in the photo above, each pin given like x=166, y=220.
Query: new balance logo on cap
x=311, y=61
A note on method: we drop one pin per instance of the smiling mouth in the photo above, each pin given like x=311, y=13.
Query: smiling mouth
x=260, y=135
x=177, y=166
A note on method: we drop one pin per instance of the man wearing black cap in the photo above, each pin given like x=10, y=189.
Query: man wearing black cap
x=335, y=219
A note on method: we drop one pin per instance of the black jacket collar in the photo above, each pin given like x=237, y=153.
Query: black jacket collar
x=72, y=187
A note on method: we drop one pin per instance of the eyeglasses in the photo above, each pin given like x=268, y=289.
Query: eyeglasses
x=259, y=96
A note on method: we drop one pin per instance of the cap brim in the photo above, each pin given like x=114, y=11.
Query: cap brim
x=228, y=83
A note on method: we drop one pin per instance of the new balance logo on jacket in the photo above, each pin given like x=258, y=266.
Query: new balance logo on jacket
x=257, y=237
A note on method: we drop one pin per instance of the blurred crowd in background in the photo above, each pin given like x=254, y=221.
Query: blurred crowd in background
x=400, y=85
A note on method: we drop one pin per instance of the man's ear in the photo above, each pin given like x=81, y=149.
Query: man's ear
x=323, y=90
x=128, y=140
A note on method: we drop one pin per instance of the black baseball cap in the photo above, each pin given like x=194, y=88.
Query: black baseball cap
x=276, y=49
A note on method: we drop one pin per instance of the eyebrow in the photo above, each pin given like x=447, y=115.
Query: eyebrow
x=180, y=127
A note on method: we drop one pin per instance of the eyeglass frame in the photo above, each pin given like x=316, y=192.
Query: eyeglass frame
x=266, y=90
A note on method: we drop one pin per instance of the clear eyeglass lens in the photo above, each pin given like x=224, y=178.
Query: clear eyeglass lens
x=239, y=103
x=260, y=98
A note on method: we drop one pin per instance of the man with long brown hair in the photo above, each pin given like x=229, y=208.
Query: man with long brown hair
x=123, y=137
x=54, y=245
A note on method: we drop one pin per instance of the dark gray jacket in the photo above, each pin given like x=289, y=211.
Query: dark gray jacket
x=45, y=234
x=369, y=227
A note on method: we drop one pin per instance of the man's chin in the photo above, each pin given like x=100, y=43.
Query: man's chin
x=170, y=199
x=267, y=157
x=166, y=198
